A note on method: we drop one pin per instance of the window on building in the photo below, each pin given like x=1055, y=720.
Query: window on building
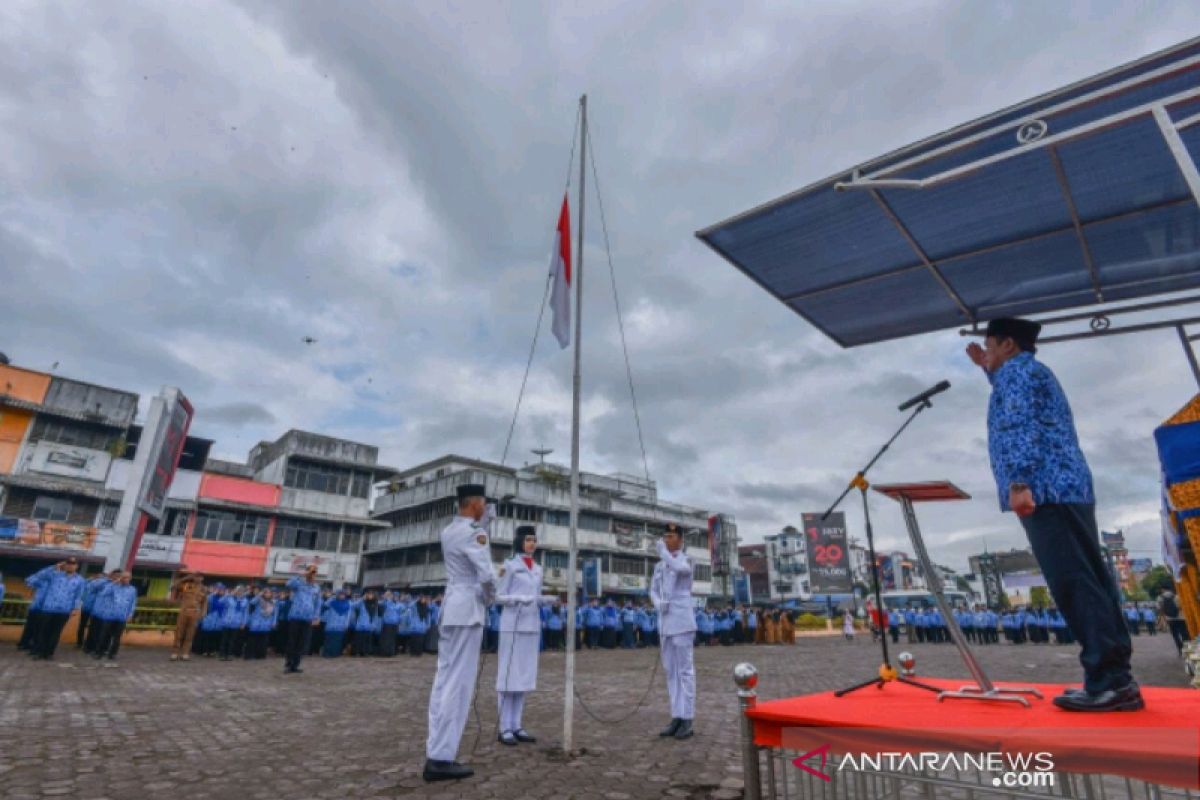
x=593, y=522
x=702, y=572
x=229, y=526
x=327, y=479
x=307, y=534
x=74, y=434
x=52, y=509
x=173, y=523
x=554, y=516
x=108, y=515
x=352, y=539
x=555, y=559
x=441, y=473
x=628, y=566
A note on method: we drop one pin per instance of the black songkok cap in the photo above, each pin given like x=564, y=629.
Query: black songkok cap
x=526, y=530
x=1022, y=331
x=468, y=490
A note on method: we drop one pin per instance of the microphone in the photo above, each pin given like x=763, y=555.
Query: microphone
x=924, y=396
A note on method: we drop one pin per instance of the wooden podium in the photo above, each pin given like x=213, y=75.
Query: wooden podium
x=939, y=492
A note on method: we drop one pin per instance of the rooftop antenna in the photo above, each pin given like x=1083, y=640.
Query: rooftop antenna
x=541, y=453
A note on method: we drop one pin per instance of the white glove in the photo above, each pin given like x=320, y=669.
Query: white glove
x=489, y=514
x=661, y=546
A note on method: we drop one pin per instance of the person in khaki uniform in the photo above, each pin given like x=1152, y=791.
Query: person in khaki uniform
x=193, y=603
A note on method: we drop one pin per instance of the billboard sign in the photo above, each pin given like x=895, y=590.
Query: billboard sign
x=828, y=553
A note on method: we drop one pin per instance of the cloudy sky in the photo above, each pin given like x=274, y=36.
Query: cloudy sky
x=189, y=190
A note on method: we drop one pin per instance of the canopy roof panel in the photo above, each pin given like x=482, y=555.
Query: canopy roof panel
x=1082, y=196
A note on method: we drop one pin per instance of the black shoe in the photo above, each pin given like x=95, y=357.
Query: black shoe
x=1081, y=692
x=445, y=771
x=685, y=729
x=1128, y=698
x=507, y=738
x=672, y=728
x=523, y=736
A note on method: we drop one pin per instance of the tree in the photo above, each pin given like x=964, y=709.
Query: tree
x=961, y=583
x=1157, y=581
x=1039, y=597
x=1005, y=603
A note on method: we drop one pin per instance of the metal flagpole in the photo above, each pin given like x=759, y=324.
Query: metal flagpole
x=572, y=559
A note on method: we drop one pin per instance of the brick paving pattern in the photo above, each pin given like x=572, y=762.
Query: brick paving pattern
x=355, y=728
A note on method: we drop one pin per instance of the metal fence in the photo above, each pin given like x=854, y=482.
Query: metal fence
x=149, y=615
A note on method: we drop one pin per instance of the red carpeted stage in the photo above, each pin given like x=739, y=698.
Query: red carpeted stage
x=1160, y=744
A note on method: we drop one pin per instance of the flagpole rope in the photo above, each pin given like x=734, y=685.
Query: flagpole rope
x=612, y=273
x=541, y=311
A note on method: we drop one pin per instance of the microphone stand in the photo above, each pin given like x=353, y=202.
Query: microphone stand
x=887, y=673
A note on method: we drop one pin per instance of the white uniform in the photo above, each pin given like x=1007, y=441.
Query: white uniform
x=671, y=594
x=470, y=587
x=520, y=595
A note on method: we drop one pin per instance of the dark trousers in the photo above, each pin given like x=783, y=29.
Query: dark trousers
x=360, y=645
x=49, y=630
x=1151, y=628
x=895, y=634
x=29, y=633
x=85, y=618
x=1066, y=543
x=108, y=641
x=256, y=645
x=298, y=633
x=416, y=644
x=591, y=637
x=1179, y=632
x=229, y=640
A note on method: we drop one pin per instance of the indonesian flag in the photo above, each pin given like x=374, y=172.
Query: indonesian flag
x=560, y=271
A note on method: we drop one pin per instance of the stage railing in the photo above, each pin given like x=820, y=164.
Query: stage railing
x=770, y=774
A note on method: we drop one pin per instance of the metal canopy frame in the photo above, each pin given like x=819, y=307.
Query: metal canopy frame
x=900, y=172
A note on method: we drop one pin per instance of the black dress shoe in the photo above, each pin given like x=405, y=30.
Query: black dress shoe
x=1128, y=698
x=445, y=771
x=1079, y=691
x=670, y=729
x=523, y=736
x=685, y=729
x=507, y=738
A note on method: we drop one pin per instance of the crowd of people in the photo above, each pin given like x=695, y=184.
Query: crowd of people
x=249, y=622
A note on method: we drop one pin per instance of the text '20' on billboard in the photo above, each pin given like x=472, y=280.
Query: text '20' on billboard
x=828, y=553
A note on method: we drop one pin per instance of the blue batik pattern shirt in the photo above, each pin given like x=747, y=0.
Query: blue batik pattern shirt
x=116, y=602
x=1031, y=435
x=306, y=599
x=61, y=592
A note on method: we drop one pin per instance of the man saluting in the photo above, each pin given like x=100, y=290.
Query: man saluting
x=1043, y=478
x=470, y=588
x=671, y=593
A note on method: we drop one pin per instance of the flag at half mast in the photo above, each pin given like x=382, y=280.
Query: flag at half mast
x=560, y=271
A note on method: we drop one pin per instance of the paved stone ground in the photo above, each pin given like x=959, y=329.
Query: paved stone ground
x=352, y=728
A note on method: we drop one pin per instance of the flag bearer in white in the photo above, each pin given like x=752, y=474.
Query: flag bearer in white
x=671, y=594
x=520, y=596
x=470, y=588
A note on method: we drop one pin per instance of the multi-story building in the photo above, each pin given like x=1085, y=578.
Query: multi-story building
x=787, y=565
x=753, y=560
x=69, y=454
x=619, y=519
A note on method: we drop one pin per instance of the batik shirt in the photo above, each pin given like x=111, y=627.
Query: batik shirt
x=61, y=592
x=1031, y=435
x=116, y=602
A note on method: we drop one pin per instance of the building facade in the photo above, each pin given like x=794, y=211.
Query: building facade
x=787, y=565
x=620, y=518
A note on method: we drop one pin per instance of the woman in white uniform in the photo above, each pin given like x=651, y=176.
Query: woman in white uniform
x=519, y=596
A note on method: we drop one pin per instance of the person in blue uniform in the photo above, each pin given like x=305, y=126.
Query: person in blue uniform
x=390, y=609
x=612, y=624
x=86, y=634
x=113, y=607
x=435, y=617
x=1133, y=619
x=751, y=626
x=208, y=640
x=33, y=617
x=556, y=622
x=366, y=611
x=304, y=609
x=336, y=617
x=1150, y=620
x=63, y=588
x=1042, y=476
x=233, y=620
x=593, y=623
x=628, y=626
x=260, y=622
x=417, y=619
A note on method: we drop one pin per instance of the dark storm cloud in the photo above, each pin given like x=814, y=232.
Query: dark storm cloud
x=190, y=193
